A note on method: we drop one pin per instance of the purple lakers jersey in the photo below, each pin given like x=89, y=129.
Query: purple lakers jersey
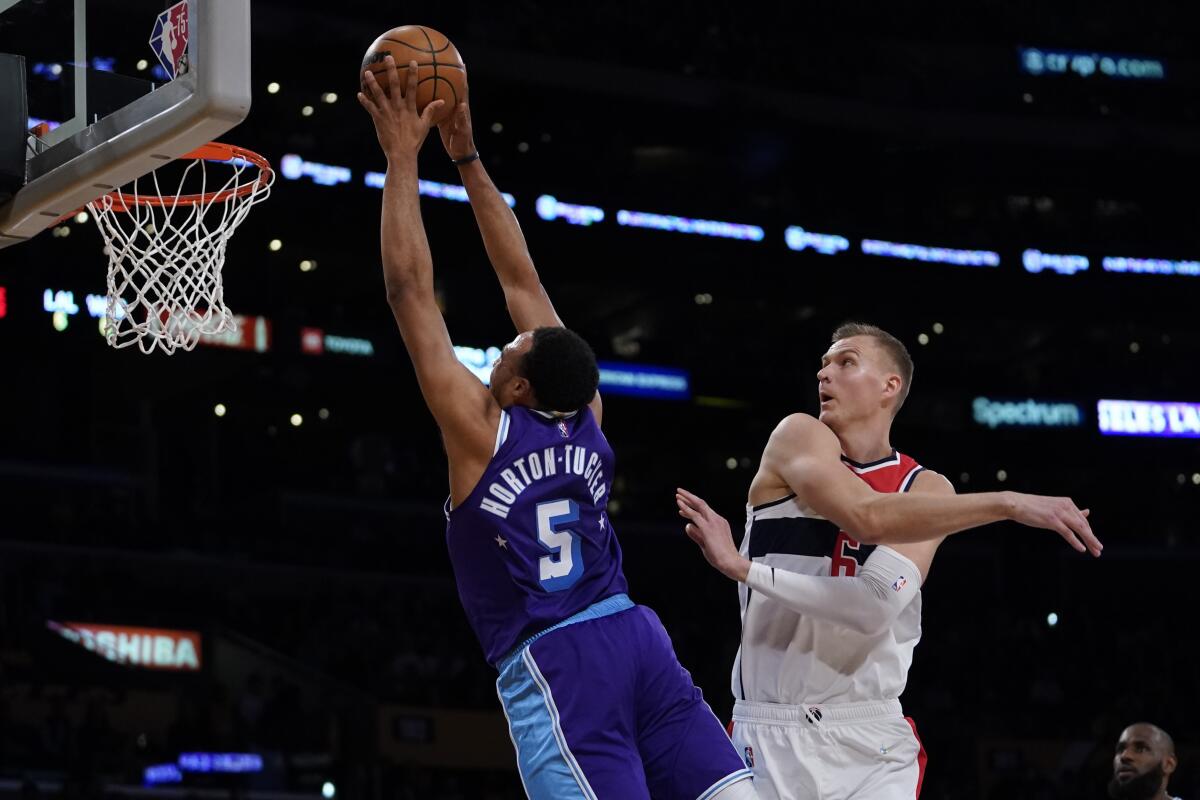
x=532, y=544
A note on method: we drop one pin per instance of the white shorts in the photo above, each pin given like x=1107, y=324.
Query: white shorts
x=848, y=751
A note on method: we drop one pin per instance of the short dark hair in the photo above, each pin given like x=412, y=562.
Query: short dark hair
x=561, y=369
x=891, y=346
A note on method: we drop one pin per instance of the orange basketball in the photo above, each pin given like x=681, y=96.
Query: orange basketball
x=441, y=74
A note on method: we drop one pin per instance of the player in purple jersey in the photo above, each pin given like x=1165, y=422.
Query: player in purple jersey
x=597, y=703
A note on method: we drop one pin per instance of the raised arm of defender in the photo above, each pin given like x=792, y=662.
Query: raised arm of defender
x=806, y=455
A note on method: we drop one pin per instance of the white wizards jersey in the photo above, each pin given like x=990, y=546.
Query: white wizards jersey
x=791, y=658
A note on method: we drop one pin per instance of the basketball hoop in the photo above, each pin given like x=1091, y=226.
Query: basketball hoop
x=166, y=250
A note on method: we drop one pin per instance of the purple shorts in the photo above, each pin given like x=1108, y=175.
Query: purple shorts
x=600, y=708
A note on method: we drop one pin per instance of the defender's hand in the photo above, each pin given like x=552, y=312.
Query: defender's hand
x=710, y=530
x=1058, y=514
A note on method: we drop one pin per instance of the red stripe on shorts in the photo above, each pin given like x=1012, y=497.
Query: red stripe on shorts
x=922, y=756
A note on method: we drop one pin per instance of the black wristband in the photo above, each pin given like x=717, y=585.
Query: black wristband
x=466, y=159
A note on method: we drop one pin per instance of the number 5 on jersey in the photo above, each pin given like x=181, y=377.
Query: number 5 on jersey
x=564, y=565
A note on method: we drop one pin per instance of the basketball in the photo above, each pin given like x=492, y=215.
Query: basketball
x=441, y=74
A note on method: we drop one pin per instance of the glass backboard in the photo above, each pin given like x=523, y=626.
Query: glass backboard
x=117, y=88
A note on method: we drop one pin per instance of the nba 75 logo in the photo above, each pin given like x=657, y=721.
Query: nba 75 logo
x=170, y=39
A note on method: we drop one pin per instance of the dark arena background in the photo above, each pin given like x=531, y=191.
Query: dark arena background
x=707, y=190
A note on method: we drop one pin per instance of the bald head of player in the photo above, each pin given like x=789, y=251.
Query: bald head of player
x=1143, y=764
x=549, y=369
x=864, y=378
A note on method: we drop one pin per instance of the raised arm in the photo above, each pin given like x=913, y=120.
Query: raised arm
x=528, y=303
x=463, y=408
x=806, y=455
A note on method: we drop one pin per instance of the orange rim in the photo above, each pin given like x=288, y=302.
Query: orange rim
x=213, y=151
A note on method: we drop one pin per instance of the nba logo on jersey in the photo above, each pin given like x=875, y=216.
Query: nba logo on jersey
x=749, y=756
x=562, y=428
x=899, y=583
x=170, y=37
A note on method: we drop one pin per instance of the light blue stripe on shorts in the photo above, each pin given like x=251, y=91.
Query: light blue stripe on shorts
x=547, y=766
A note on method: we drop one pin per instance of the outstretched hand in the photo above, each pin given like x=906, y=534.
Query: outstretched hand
x=711, y=531
x=1058, y=514
x=401, y=130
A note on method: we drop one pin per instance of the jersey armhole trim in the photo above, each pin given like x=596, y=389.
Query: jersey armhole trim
x=501, y=431
x=772, y=504
x=907, y=483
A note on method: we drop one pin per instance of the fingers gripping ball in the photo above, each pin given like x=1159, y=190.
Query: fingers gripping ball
x=441, y=74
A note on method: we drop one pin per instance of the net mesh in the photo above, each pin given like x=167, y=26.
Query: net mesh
x=166, y=252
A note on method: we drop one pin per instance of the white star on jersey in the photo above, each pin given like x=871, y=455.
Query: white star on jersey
x=601, y=522
x=501, y=541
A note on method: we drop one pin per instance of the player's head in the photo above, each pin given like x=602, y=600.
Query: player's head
x=552, y=369
x=865, y=374
x=1143, y=763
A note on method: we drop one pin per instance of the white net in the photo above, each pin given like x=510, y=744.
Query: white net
x=166, y=252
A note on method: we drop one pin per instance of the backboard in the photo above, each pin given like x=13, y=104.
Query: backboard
x=118, y=88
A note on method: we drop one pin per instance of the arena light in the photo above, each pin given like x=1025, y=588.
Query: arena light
x=293, y=167
x=441, y=191
x=1028, y=413
x=551, y=208
x=1043, y=61
x=1036, y=261
x=700, y=227
x=636, y=380
x=1151, y=266
x=51, y=71
x=3, y=302
x=478, y=360
x=157, y=774
x=1149, y=418
x=826, y=244
x=939, y=255
x=642, y=380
